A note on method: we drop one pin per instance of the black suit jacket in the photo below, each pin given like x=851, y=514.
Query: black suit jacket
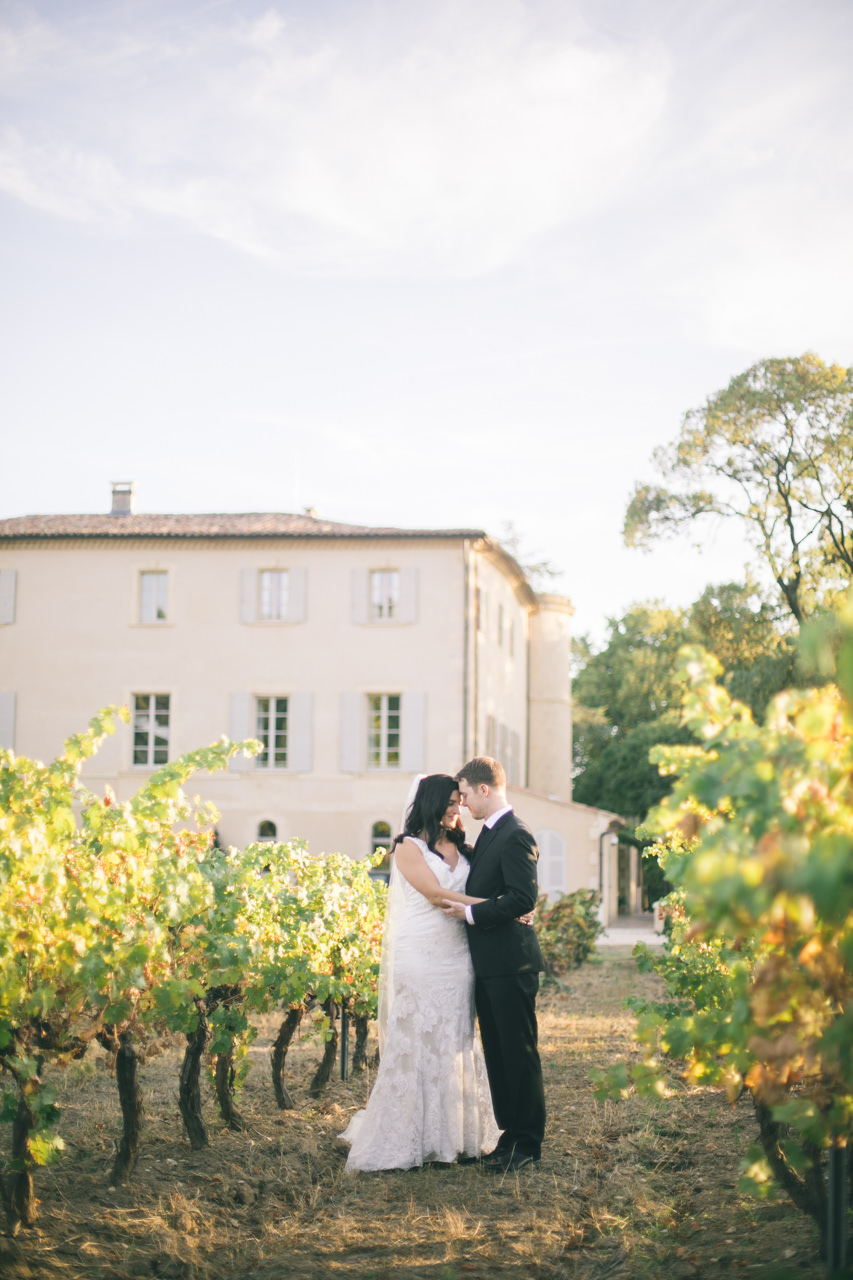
x=503, y=871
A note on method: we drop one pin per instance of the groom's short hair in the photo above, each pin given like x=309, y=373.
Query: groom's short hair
x=483, y=769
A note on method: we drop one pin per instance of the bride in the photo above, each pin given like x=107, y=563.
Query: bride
x=430, y=1101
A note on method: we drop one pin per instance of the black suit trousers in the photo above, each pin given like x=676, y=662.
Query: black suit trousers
x=506, y=1012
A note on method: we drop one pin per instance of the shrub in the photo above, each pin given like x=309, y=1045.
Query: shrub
x=567, y=929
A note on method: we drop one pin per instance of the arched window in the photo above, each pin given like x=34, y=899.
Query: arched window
x=552, y=863
x=380, y=838
x=267, y=830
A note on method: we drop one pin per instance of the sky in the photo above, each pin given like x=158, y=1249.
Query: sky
x=442, y=263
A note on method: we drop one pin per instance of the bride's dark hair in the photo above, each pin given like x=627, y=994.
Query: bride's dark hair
x=428, y=808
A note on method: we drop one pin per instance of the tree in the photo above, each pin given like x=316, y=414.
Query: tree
x=774, y=450
x=758, y=969
x=627, y=695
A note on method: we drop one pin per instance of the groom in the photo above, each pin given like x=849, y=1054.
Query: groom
x=507, y=962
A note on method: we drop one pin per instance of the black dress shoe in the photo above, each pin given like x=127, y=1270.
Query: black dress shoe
x=511, y=1162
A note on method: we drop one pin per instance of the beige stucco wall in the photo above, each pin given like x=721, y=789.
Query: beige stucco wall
x=499, y=673
x=551, y=698
x=77, y=644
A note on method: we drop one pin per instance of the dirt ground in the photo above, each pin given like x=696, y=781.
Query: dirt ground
x=624, y=1189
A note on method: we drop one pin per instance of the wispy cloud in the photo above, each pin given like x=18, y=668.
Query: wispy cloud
x=448, y=141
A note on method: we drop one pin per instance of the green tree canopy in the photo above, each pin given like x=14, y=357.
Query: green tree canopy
x=627, y=696
x=774, y=450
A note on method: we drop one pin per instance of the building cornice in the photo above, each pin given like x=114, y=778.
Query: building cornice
x=241, y=526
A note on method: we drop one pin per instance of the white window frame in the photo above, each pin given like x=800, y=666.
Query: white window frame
x=384, y=595
x=273, y=595
x=155, y=743
x=269, y=708
x=154, y=612
x=383, y=709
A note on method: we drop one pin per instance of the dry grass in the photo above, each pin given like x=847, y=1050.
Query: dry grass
x=629, y=1189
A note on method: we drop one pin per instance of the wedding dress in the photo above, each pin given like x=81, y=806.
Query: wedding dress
x=430, y=1101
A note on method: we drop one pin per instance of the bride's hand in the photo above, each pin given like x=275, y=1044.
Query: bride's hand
x=526, y=919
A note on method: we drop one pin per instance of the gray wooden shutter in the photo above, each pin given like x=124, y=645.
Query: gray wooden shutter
x=359, y=595
x=240, y=726
x=408, y=595
x=296, y=584
x=551, y=871
x=248, y=595
x=7, y=719
x=300, y=732
x=8, y=579
x=413, y=732
x=352, y=733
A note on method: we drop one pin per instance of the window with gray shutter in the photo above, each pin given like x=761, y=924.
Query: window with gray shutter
x=7, y=719
x=551, y=869
x=352, y=724
x=413, y=732
x=301, y=732
x=8, y=583
x=240, y=726
x=408, y=595
x=297, y=595
x=384, y=596
x=248, y=595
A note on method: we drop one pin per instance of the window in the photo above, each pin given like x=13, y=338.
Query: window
x=384, y=594
x=150, y=728
x=271, y=728
x=273, y=595
x=383, y=731
x=482, y=610
x=8, y=579
x=552, y=863
x=380, y=837
x=267, y=830
x=153, y=596
x=380, y=841
x=514, y=759
x=274, y=592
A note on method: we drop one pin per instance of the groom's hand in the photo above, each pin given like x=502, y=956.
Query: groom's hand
x=454, y=909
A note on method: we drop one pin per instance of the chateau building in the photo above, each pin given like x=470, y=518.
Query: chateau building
x=358, y=656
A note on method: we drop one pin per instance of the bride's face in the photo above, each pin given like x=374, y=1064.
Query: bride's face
x=453, y=812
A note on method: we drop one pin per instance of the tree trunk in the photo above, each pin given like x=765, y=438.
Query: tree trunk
x=225, y=1091
x=286, y=1032
x=22, y=1192
x=323, y=1073
x=130, y=1098
x=359, y=1057
x=807, y=1190
x=189, y=1091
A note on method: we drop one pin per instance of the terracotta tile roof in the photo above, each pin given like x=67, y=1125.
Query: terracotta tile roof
x=239, y=525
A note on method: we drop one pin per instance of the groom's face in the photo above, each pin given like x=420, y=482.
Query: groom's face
x=474, y=799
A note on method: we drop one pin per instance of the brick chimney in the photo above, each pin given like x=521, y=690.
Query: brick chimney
x=122, y=498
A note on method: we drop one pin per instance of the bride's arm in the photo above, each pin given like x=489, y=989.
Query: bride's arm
x=413, y=867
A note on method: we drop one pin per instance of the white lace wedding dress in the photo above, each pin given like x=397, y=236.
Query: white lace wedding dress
x=430, y=1101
